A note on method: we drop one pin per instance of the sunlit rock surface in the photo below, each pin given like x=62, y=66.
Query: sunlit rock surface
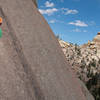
x=96, y=40
x=32, y=64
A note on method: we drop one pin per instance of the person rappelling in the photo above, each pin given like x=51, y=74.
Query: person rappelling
x=0, y=28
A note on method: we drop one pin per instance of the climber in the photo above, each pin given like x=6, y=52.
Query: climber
x=0, y=28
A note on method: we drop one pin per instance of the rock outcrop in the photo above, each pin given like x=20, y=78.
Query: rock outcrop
x=85, y=61
x=32, y=64
x=96, y=41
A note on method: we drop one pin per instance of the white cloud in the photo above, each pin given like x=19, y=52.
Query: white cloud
x=48, y=4
x=68, y=11
x=52, y=21
x=92, y=23
x=78, y=23
x=84, y=30
x=48, y=11
x=76, y=30
x=79, y=30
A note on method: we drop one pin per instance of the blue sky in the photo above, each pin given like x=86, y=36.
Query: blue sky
x=76, y=21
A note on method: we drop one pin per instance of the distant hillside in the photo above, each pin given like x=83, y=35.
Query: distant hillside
x=85, y=61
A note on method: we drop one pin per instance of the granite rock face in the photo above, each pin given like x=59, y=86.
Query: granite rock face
x=96, y=40
x=32, y=64
x=35, y=2
x=84, y=59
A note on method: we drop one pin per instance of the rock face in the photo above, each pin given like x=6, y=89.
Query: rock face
x=85, y=61
x=32, y=65
x=35, y=2
x=96, y=40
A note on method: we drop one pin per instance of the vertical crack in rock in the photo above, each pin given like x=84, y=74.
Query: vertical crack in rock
x=18, y=48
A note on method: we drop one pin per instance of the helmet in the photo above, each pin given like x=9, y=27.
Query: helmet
x=0, y=20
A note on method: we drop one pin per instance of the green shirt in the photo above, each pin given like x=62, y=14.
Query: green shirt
x=0, y=33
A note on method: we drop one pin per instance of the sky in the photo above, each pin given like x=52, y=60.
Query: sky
x=75, y=21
